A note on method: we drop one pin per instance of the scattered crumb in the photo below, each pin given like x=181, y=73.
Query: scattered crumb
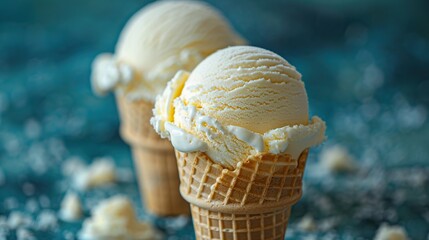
x=309, y=237
x=18, y=219
x=337, y=159
x=72, y=166
x=176, y=223
x=386, y=232
x=44, y=201
x=47, y=220
x=328, y=224
x=24, y=234
x=68, y=235
x=307, y=224
x=31, y=205
x=100, y=172
x=71, y=208
x=114, y=218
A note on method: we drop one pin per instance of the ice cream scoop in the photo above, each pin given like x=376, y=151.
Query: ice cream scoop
x=238, y=102
x=159, y=40
x=248, y=87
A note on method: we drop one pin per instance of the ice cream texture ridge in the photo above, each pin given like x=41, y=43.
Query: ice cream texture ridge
x=238, y=102
x=159, y=40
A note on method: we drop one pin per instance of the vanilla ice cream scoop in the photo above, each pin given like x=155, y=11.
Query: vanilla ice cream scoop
x=238, y=102
x=159, y=40
x=248, y=87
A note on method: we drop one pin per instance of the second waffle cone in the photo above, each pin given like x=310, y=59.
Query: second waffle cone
x=154, y=159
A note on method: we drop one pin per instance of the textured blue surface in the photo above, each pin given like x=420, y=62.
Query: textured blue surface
x=365, y=65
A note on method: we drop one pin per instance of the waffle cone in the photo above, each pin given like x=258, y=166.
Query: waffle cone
x=154, y=159
x=253, y=201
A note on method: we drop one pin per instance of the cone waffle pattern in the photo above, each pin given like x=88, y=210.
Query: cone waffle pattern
x=159, y=181
x=217, y=225
x=260, y=180
x=154, y=159
x=251, y=202
x=135, y=120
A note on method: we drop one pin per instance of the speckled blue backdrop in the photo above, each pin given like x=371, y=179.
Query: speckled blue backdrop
x=366, y=68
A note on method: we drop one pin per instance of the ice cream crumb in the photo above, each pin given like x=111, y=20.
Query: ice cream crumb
x=71, y=208
x=337, y=159
x=386, y=232
x=125, y=175
x=100, y=172
x=307, y=224
x=176, y=223
x=68, y=235
x=24, y=234
x=114, y=218
x=47, y=220
x=72, y=166
x=328, y=224
x=18, y=219
x=44, y=201
x=32, y=205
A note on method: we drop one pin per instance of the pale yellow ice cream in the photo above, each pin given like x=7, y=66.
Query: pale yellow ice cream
x=238, y=102
x=248, y=87
x=115, y=218
x=159, y=40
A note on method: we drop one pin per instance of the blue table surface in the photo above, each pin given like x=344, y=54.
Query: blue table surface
x=366, y=69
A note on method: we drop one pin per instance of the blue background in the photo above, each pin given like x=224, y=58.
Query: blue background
x=366, y=68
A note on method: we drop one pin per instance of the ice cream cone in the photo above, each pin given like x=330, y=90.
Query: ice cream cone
x=154, y=159
x=253, y=201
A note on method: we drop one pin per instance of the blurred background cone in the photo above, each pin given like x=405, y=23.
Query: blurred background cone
x=154, y=159
x=253, y=201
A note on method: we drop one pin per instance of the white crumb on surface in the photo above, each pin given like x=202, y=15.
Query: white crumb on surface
x=71, y=208
x=337, y=159
x=24, y=234
x=101, y=172
x=68, y=235
x=47, y=220
x=72, y=165
x=328, y=224
x=114, y=218
x=176, y=223
x=31, y=205
x=44, y=201
x=307, y=224
x=386, y=232
x=18, y=219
